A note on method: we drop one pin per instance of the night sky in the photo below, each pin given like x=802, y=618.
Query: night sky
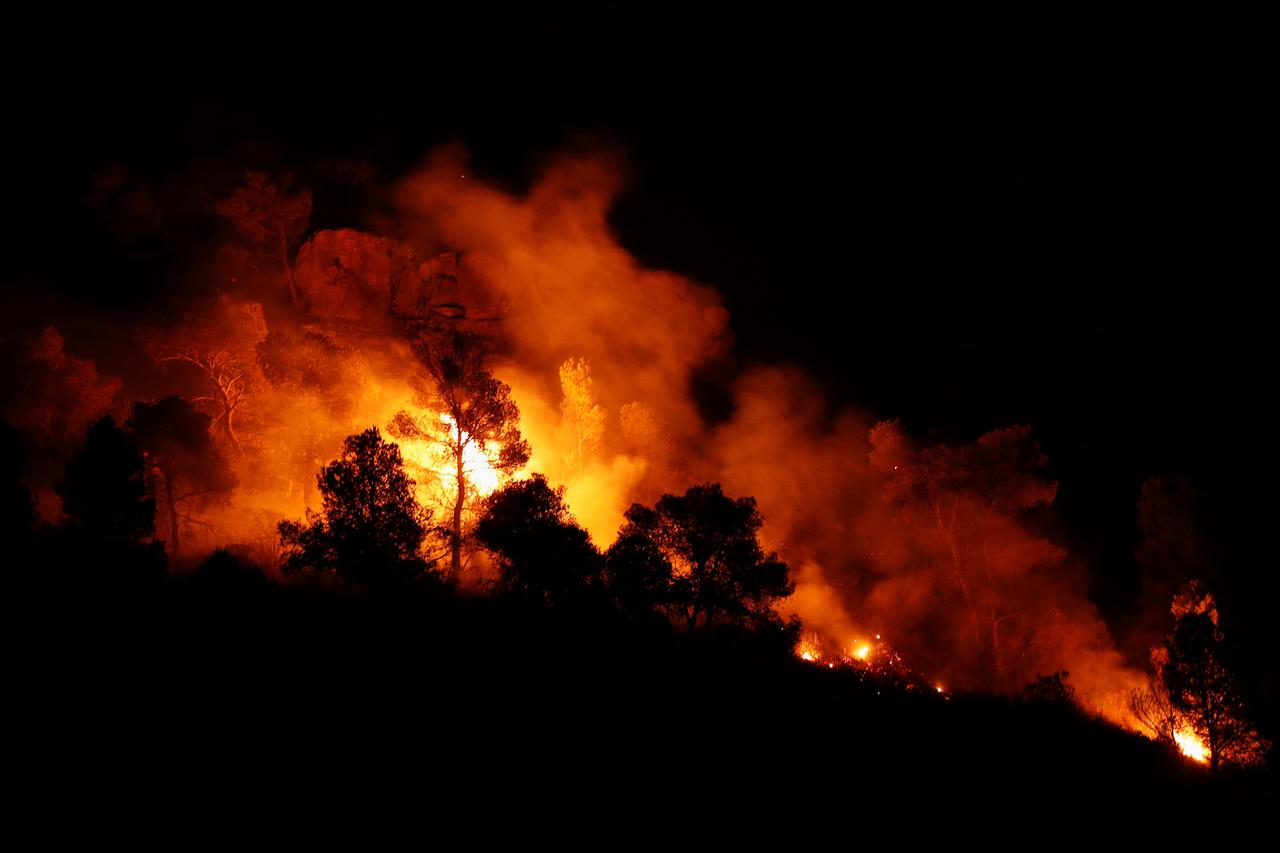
x=962, y=221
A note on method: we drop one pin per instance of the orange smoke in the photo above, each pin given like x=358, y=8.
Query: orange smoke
x=569, y=294
x=600, y=354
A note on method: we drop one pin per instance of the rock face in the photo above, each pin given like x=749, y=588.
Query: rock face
x=434, y=280
x=350, y=275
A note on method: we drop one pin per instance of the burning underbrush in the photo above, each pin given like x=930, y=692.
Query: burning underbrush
x=872, y=659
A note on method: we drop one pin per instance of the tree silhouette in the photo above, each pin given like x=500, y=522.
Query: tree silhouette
x=476, y=415
x=371, y=529
x=226, y=582
x=104, y=490
x=543, y=553
x=639, y=576
x=268, y=217
x=187, y=471
x=220, y=344
x=109, y=516
x=1151, y=706
x=1054, y=689
x=719, y=572
x=1202, y=688
x=963, y=505
x=1174, y=549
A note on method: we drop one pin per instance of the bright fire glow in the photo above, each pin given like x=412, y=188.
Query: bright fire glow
x=478, y=467
x=862, y=651
x=1190, y=745
x=809, y=648
x=433, y=466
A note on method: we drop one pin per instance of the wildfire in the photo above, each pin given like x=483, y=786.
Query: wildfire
x=477, y=463
x=623, y=428
x=1190, y=745
x=432, y=458
x=809, y=649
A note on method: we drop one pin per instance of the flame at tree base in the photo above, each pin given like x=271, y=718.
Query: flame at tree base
x=1190, y=745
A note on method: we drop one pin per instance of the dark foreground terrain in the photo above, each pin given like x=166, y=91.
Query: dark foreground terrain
x=221, y=684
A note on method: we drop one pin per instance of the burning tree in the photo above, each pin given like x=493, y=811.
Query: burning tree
x=371, y=529
x=1202, y=688
x=581, y=417
x=477, y=425
x=718, y=572
x=643, y=434
x=270, y=219
x=1152, y=708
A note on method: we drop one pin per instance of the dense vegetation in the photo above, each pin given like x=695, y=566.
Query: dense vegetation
x=622, y=690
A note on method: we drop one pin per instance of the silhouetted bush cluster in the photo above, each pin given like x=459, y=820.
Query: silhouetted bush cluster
x=656, y=663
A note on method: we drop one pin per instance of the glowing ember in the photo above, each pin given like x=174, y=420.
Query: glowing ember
x=1190, y=745
x=938, y=687
x=807, y=655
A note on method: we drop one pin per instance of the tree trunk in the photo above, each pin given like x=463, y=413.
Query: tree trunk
x=958, y=574
x=172, y=508
x=227, y=411
x=456, y=563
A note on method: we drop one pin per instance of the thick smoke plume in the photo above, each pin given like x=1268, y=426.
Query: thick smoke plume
x=935, y=551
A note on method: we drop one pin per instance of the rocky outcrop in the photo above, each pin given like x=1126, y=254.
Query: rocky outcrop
x=351, y=275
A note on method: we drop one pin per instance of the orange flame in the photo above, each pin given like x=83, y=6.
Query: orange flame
x=477, y=463
x=433, y=458
x=809, y=648
x=1190, y=745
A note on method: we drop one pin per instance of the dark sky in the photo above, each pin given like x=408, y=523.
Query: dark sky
x=964, y=221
